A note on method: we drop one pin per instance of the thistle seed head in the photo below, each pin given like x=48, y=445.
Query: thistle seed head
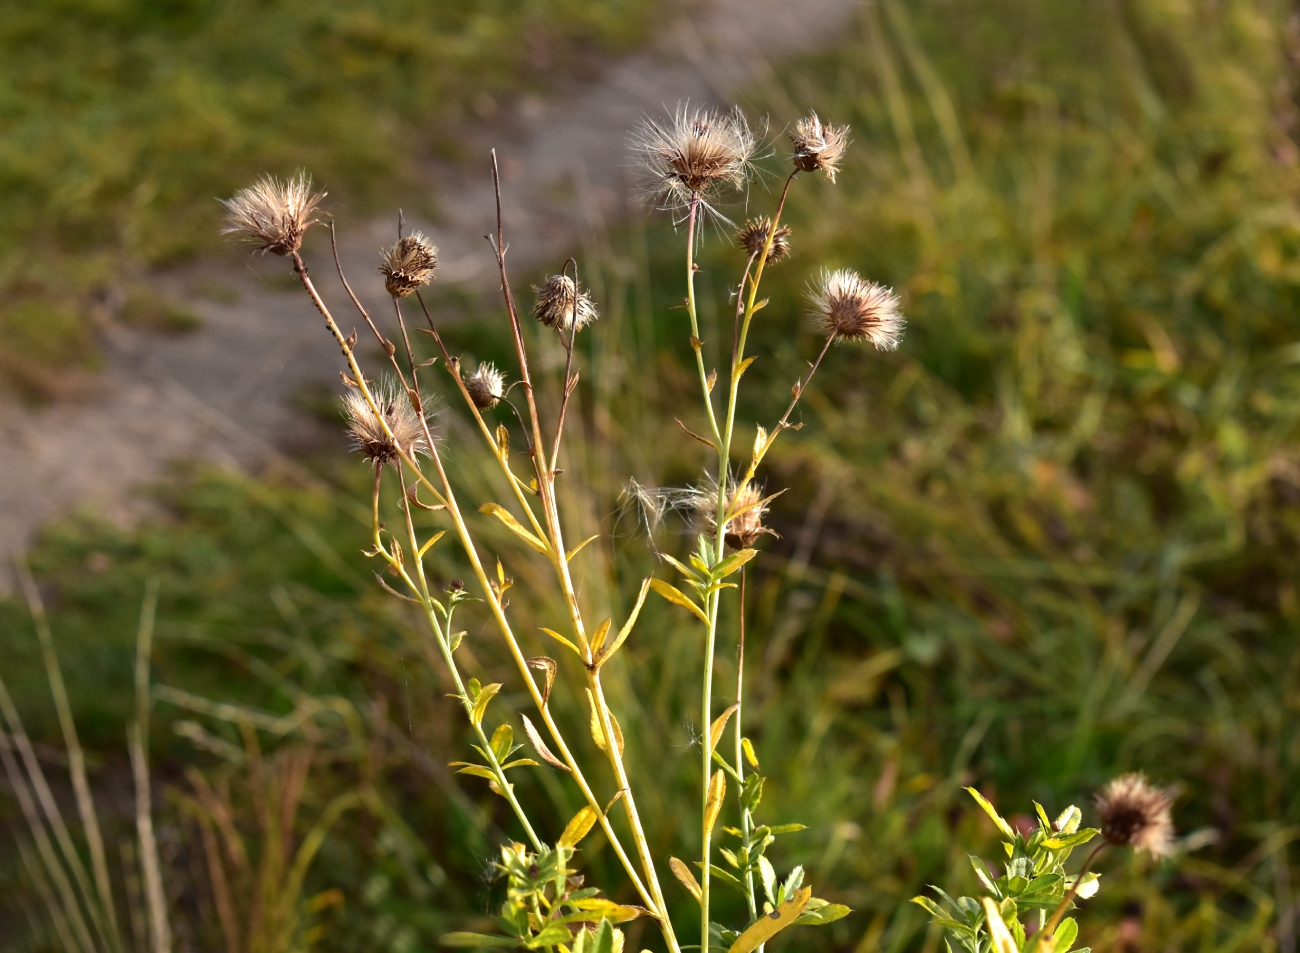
x=486, y=386
x=408, y=265
x=272, y=215
x=1136, y=814
x=818, y=145
x=555, y=306
x=696, y=153
x=367, y=432
x=745, y=513
x=854, y=309
x=753, y=236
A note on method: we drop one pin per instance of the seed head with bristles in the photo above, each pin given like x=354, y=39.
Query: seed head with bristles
x=745, y=511
x=1136, y=814
x=368, y=435
x=818, y=145
x=753, y=236
x=486, y=386
x=273, y=215
x=854, y=309
x=408, y=265
x=695, y=154
x=556, y=308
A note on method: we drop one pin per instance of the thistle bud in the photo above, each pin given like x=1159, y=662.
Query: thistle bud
x=745, y=512
x=1135, y=814
x=272, y=215
x=367, y=430
x=854, y=309
x=408, y=265
x=556, y=307
x=694, y=154
x=818, y=146
x=753, y=238
x=486, y=387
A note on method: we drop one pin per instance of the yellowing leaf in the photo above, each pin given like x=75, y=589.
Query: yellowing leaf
x=428, y=544
x=677, y=597
x=548, y=667
x=481, y=702
x=773, y=923
x=597, y=732
x=512, y=524
x=713, y=803
x=562, y=640
x=478, y=770
x=598, y=639
x=720, y=725
x=992, y=812
x=683, y=873
x=1002, y=940
x=577, y=549
x=578, y=828
x=624, y=632
x=750, y=756
x=540, y=746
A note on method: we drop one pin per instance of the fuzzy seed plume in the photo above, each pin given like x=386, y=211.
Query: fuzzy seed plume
x=408, y=265
x=1135, y=814
x=695, y=154
x=854, y=309
x=486, y=386
x=273, y=215
x=818, y=145
x=753, y=237
x=556, y=307
x=367, y=432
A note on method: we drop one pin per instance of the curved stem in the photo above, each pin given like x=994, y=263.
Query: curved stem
x=1059, y=913
x=696, y=343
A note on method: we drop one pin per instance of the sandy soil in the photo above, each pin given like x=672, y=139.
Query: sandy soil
x=222, y=393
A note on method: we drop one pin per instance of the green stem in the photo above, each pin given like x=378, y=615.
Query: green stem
x=746, y=819
x=696, y=343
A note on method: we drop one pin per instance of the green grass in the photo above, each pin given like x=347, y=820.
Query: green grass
x=1049, y=540
x=122, y=120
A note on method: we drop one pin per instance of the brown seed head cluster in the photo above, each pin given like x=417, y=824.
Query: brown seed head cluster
x=753, y=237
x=486, y=387
x=745, y=513
x=557, y=308
x=272, y=215
x=408, y=265
x=367, y=432
x=854, y=309
x=818, y=146
x=694, y=154
x=1136, y=814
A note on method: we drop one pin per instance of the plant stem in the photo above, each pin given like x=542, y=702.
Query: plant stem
x=746, y=820
x=1050, y=928
x=696, y=344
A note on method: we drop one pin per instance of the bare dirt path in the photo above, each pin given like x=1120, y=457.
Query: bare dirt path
x=222, y=393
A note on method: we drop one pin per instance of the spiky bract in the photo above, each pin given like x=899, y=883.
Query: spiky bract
x=854, y=309
x=556, y=306
x=486, y=386
x=273, y=215
x=753, y=236
x=408, y=265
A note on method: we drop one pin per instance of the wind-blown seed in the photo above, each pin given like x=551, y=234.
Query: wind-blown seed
x=695, y=154
x=367, y=432
x=818, y=145
x=486, y=386
x=1135, y=814
x=273, y=215
x=555, y=306
x=854, y=309
x=408, y=265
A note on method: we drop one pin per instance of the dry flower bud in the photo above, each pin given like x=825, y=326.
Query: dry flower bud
x=369, y=437
x=408, y=265
x=556, y=308
x=486, y=387
x=1135, y=814
x=745, y=510
x=854, y=309
x=818, y=146
x=272, y=215
x=692, y=155
x=753, y=238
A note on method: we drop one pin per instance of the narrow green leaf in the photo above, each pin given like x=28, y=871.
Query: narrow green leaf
x=463, y=940
x=481, y=702
x=562, y=640
x=677, y=597
x=991, y=811
x=624, y=632
x=512, y=524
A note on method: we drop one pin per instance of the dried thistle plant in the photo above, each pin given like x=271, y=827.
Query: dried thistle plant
x=818, y=146
x=273, y=215
x=754, y=237
x=408, y=265
x=850, y=308
x=694, y=156
x=561, y=304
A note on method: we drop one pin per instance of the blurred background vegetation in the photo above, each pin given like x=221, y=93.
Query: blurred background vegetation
x=1053, y=538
